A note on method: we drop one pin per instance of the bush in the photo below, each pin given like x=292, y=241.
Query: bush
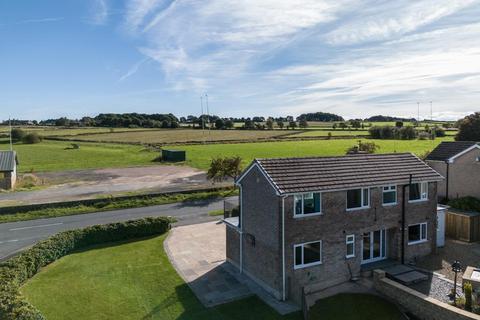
x=15, y=271
x=465, y=203
x=32, y=138
x=467, y=288
x=17, y=134
x=423, y=135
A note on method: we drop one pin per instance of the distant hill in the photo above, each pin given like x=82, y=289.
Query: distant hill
x=320, y=116
x=387, y=119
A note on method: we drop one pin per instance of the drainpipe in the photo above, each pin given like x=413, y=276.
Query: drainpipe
x=446, y=182
x=283, y=250
x=241, y=229
x=403, y=217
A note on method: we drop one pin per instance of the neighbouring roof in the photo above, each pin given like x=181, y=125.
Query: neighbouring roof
x=449, y=149
x=8, y=160
x=293, y=175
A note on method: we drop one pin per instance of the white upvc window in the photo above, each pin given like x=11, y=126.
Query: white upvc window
x=418, y=192
x=389, y=195
x=307, y=254
x=307, y=204
x=358, y=198
x=417, y=233
x=350, y=245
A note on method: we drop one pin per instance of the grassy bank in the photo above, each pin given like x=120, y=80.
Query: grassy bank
x=199, y=156
x=114, y=204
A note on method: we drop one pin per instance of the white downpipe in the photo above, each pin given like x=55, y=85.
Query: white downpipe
x=241, y=229
x=283, y=250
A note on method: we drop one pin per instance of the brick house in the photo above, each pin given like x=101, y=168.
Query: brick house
x=314, y=222
x=8, y=169
x=459, y=163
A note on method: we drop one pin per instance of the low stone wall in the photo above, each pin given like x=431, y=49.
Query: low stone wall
x=420, y=305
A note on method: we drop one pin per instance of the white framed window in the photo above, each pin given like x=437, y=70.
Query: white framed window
x=307, y=204
x=350, y=245
x=307, y=254
x=418, y=192
x=389, y=195
x=417, y=233
x=358, y=198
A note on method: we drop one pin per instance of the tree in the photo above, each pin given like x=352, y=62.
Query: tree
x=269, y=123
x=17, y=134
x=334, y=126
x=280, y=124
x=399, y=124
x=292, y=124
x=229, y=124
x=219, y=124
x=32, y=138
x=469, y=128
x=223, y=168
x=249, y=125
x=364, y=147
x=320, y=116
x=343, y=125
x=303, y=124
x=355, y=124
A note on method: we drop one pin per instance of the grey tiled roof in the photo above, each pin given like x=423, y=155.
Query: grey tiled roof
x=448, y=149
x=292, y=175
x=8, y=160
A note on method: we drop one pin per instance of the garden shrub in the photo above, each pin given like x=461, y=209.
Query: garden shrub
x=467, y=289
x=32, y=138
x=15, y=271
x=465, y=203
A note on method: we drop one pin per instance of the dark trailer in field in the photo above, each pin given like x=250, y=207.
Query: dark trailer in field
x=173, y=155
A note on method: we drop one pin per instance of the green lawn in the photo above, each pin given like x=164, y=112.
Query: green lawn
x=355, y=307
x=130, y=281
x=54, y=156
x=199, y=156
x=135, y=280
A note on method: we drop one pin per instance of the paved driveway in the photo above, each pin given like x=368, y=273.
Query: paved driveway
x=198, y=254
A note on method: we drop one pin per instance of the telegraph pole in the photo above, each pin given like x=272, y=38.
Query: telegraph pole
x=208, y=114
x=10, y=127
x=202, y=119
x=418, y=113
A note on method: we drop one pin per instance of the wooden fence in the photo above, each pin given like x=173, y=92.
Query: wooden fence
x=463, y=226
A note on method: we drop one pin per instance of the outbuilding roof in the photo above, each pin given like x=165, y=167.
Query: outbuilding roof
x=294, y=175
x=447, y=150
x=8, y=160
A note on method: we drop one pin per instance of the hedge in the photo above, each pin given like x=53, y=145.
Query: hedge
x=15, y=271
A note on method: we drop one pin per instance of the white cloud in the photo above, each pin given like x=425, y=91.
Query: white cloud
x=41, y=20
x=99, y=12
x=353, y=57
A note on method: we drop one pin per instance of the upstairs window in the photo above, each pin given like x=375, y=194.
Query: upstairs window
x=418, y=191
x=358, y=198
x=307, y=204
x=389, y=195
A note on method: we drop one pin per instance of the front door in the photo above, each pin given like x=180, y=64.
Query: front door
x=374, y=246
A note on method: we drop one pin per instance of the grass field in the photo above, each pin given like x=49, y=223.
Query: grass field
x=335, y=133
x=61, y=131
x=199, y=156
x=54, y=156
x=183, y=136
x=135, y=280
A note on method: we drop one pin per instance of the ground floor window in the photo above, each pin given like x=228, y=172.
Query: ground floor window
x=350, y=242
x=417, y=233
x=308, y=254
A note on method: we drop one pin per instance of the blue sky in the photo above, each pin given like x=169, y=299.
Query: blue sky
x=253, y=57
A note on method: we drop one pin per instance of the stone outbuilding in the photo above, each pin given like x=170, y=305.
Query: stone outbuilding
x=8, y=169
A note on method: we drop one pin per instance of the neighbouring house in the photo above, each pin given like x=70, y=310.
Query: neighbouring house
x=8, y=169
x=459, y=163
x=315, y=222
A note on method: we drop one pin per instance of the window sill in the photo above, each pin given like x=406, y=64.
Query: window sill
x=416, y=201
x=349, y=257
x=359, y=208
x=389, y=204
x=303, y=266
x=297, y=216
x=417, y=242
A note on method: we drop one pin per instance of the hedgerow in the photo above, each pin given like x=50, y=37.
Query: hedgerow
x=15, y=271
